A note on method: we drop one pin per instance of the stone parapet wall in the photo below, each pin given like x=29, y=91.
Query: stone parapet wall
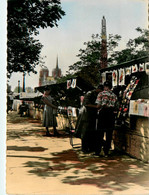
x=135, y=141
x=138, y=147
x=142, y=127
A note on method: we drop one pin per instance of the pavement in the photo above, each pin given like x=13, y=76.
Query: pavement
x=37, y=164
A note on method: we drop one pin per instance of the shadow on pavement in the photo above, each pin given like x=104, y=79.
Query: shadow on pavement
x=26, y=148
x=116, y=173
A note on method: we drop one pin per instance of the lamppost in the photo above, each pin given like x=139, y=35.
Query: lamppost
x=18, y=86
x=23, y=78
x=23, y=81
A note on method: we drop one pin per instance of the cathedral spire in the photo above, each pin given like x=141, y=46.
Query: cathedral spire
x=56, y=72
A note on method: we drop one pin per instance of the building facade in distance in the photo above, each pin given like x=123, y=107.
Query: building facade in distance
x=45, y=79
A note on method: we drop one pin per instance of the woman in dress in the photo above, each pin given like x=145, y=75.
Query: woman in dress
x=49, y=114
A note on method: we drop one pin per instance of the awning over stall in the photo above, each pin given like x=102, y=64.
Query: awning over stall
x=68, y=93
x=120, y=74
x=29, y=96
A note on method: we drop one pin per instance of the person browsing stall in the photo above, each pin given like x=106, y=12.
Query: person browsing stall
x=86, y=123
x=106, y=102
x=49, y=114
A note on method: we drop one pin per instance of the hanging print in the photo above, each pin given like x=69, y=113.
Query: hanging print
x=103, y=77
x=114, y=78
x=121, y=77
x=134, y=68
x=68, y=84
x=147, y=68
x=128, y=71
x=73, y=84
x=141, y=67
x=140, y=109
x=146, y=110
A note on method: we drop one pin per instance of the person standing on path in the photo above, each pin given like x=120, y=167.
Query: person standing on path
x=49, y=114
x=86, y=123
x=106, y=102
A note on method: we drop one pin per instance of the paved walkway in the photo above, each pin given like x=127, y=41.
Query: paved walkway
x=49, y=165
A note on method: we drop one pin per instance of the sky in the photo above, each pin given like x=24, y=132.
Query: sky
x=82, y=19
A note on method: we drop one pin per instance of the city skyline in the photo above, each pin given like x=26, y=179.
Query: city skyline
x=77, y=26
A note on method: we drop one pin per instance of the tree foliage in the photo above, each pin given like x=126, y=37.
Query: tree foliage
x=135, y=48
x=18, y=89
x=25, y=17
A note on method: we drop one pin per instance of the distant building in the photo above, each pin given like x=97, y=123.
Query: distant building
x=56, y=72
x=45, y=79
x=50, y=79
x=43, y=74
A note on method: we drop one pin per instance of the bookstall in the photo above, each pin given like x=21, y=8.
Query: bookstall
x=130, y=82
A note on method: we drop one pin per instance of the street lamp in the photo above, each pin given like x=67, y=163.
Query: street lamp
x=18, y=86
x=23, y=81
x=23, y=78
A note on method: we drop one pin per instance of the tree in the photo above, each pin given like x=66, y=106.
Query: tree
x=25, y=17
x=8, y=88
x=16, y=89
x=135, y=48
x=89, y=64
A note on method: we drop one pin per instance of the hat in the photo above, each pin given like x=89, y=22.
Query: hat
x=100, y=87
x=107, y=84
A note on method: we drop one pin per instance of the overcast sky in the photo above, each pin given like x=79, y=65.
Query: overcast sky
x=82, y=19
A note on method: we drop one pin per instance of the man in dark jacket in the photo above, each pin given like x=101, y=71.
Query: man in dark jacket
x=85, y=127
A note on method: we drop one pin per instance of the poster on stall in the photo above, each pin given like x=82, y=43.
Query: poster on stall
x=140, y=109
x=121, y=77
x=114, y=78
x=69, y=111
x=134, y=68
x=146, y=110
x=103, y=76
x=74, y=112
x=141, y=67
x=73, y=84
x=147, y=68
x=131, y=107
x=68, y=84
x=135, y=107
x=128, y=71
